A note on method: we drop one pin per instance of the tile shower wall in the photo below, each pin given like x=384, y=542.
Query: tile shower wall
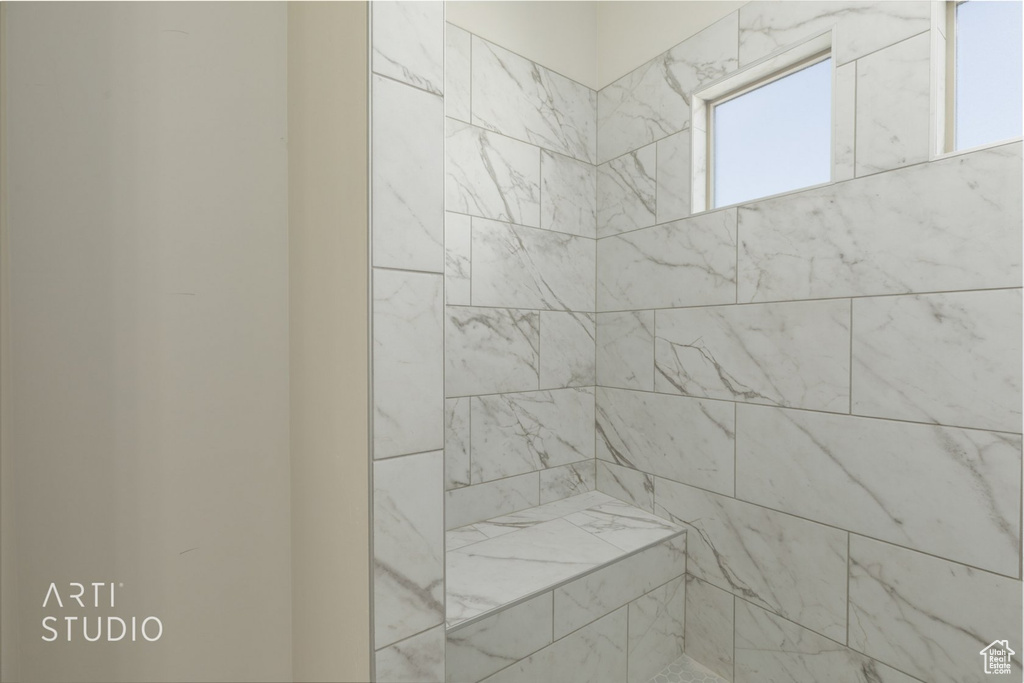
x=825, y=385
x=520, y=267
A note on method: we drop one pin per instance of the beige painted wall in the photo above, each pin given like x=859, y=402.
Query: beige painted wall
x=327, y=163
x=149, y=332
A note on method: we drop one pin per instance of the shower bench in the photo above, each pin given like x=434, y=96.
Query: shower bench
x=586, y=588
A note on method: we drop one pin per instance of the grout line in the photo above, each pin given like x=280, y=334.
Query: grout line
x=849, y=387
x=505, y=221
x=408, y=85
x=848, y=569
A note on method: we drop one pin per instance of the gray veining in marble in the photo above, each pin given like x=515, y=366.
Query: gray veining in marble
x=927, y=616
x=691, y=262
x=490, y=175
x=791, y=566
x=790, y=354
x=625, y=350
x=674, y=177
x=489, y=350
x=487, y=646
x=478, y=502
x=456, y=443
x=567, y=343
x=915, y=229
x=521, y=99
x=408, y=43
x=952, y=359
x=684, y=439
x=568, y=480
x=413, y=660
x=568, y=197
x=457, y=47
x=622, y=525
x=626, y=192
x=407, y=182
x=628, y=485
x=709, y=626
x=408, y=372
x=457, y=259
x=524, y=519
x=844, y=122
x=656, y=629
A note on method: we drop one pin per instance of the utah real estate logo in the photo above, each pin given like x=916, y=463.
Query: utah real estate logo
x=997, y=657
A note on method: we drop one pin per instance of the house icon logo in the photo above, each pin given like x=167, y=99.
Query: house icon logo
x=997, y=657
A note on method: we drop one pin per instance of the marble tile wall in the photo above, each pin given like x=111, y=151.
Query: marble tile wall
x=824, y=386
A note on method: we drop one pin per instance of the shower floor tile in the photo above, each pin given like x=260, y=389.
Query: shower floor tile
x=500, y=561
x=686, y=670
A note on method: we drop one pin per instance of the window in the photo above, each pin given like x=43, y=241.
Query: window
x=773, y=137
x=986, y=62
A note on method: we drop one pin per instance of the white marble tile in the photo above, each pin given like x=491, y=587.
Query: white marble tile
x=686, y=670
x=458, y=252
x=952, y=359
x=626, y=192
x=488, y=350
x=456, y=443
x=522, y=432
x=520, y=267
x=683, y=439
x=568, y=197
x=521, y=99
x=524, y=519
x=408, y=368
x=947, y=225
x=789, y=354
x=791, y=566
x=709, y=626
x=946, y=491
x=408, y=183
x=408, y=42
x=844, y=121
x=656, y=629
x=598, y=593
x=769, y=648
x=495, y=572
x=894, y=106
x=628, y=485
x=691, y=262
x=928, y=617
x=457, y=55
x=674, y=177
x=863, y=27
x=471, y=504
x=623, y=525
x=567, y=349
x=565, y=481
x=416, y=659
x=464, y=535
x=408, y=546
x=487, y=646
x=653, y=101
x=625, y=350
x=490, y=175
x=596, y=654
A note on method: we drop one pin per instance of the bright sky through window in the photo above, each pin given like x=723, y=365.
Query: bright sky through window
x=775, y=138
x=988, y=72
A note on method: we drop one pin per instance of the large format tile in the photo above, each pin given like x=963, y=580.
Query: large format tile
x=683, y=439
x=524, y=519
x=623, y=525
x=568, y=197
x=488, y=350
x=910, y=230
x=653, y=101
x=656, y=629
x=408, y=43
x=598, y=593
x=926, y=616
x=457, y=47
x=517, y=433
x=952, y=359
x=567, y=342
x=770, y=649
x=520, y=267
x=408, y=182
x=788, y=565
x=626, y=484
x=521, y=99
x=894, y=106
x=458, y=252
x=626, y=191
x=625, y=350
x=945, y=491
x=495, y=572
x=568, y=480
x=596, y=654
x=691, y=262
x=408, y=546
x=471, y=504
x=674, y=177
x=487, y=646
x=863, y=27
x=408, y=367
x=413, y=660
x=788, y=354
x=844, y=122
x=490, y=175
x=709, y=626
x=456, y=442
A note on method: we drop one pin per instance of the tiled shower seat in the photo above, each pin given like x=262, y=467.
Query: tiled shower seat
x=546, y=594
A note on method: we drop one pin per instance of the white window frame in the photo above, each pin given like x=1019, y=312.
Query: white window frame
x=772, y=68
